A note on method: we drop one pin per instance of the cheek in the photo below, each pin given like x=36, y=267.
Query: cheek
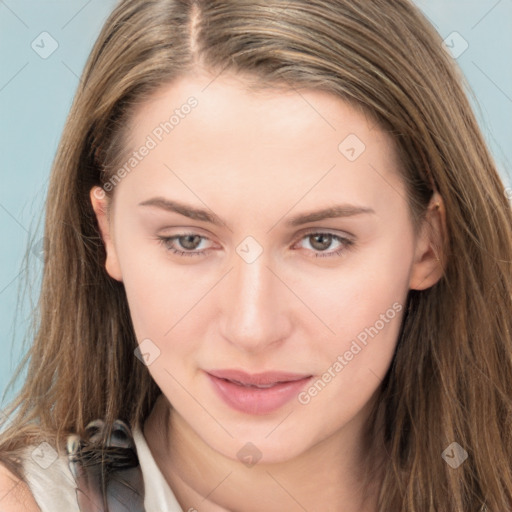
x=161, y=292
x=353, y=365
x=364, y=307
x=362, y=303
x=365, y=285
x=161, y=299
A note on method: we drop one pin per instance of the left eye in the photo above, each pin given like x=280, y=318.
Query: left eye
x=322, y=241
x=318, y=241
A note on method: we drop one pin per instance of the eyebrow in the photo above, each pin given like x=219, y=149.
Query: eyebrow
x=336, y=211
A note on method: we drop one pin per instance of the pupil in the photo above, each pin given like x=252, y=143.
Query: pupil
x=189, y=241
x=327, y=241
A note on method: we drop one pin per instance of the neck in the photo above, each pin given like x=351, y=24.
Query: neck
x=328, y=476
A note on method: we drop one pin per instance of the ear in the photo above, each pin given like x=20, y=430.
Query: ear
x=99, y=203
x=428, y=266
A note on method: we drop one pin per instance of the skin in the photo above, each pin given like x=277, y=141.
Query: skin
x=256, y=160
x=15, y=495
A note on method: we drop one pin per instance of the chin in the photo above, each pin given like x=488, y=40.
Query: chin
x=262, y=448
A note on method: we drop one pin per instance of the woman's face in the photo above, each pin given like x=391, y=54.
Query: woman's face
x=266, y=248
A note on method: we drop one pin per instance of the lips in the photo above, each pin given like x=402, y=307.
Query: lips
x=257, y=379
x=259, y=393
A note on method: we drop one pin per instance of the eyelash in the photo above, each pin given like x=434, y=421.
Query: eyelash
x=347, y=243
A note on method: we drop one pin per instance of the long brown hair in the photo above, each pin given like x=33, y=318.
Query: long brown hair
x=451, y=377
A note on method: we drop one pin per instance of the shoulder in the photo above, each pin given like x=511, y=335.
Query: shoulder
x=48, y=486
x=49, y=478
x=15, y=495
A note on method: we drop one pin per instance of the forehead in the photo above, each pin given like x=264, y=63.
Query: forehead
x=283, y=141
x=229, y=100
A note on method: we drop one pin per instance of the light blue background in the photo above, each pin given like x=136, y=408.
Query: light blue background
x=36, y=93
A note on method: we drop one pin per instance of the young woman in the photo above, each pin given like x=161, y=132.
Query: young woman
x=277, y=273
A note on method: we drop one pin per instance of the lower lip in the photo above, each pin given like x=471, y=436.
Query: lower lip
x=253, y=400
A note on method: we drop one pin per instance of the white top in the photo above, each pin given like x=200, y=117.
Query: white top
x=54, y=487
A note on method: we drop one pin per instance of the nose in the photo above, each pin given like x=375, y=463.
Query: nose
x=255, y=306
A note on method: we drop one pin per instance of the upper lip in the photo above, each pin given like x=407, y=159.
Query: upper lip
x=256, y=379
